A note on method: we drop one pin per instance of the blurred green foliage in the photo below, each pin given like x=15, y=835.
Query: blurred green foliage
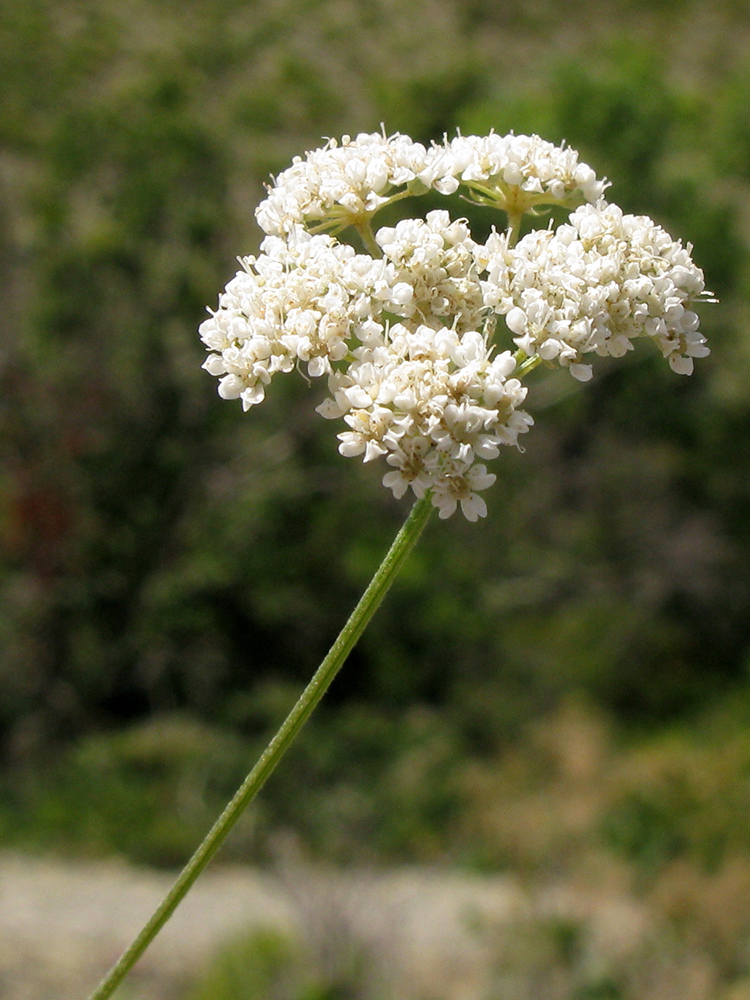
x=266, y=964
x=270, y=965
x=686, y=798
x=164, y=782
x=161, y=552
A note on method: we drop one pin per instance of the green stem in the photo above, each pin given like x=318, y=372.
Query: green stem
x=525, y=363
x=514, y=227
x=369, y=602
x=365, y=231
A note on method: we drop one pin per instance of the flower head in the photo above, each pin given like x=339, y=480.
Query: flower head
x=407, y=333
x=432, y=402
x=435, y=278
x=301, y=300
x=515, y=172
x=343, y=183
x=594, y=285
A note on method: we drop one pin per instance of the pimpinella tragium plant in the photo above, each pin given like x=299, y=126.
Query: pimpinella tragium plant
x=425, y=336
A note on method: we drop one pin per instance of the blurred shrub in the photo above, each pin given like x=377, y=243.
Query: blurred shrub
x=269, y=965
x=683, y=799
x=148, y=793
x=578, y=789
x=265, y=964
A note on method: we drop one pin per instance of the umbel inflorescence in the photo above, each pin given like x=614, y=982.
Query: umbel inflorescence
x=425, y=335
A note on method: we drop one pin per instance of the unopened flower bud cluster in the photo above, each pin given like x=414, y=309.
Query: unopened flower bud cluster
x=425, y=335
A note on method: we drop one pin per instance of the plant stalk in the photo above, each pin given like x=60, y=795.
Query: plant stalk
x=369, y=602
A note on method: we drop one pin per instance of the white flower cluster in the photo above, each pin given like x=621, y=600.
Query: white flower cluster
x=594, y=285
x=431, y=401
x=309, y=298
x=432, y=273
x=405, y=331
x=302, y=299
x=342, y=183
x=515, y=171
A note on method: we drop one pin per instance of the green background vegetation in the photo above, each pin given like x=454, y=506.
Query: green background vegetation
x=171, y=570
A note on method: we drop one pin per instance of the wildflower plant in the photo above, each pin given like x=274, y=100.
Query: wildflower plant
x=425, y=337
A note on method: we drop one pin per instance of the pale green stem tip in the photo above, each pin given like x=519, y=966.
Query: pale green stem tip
x=365, y=231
